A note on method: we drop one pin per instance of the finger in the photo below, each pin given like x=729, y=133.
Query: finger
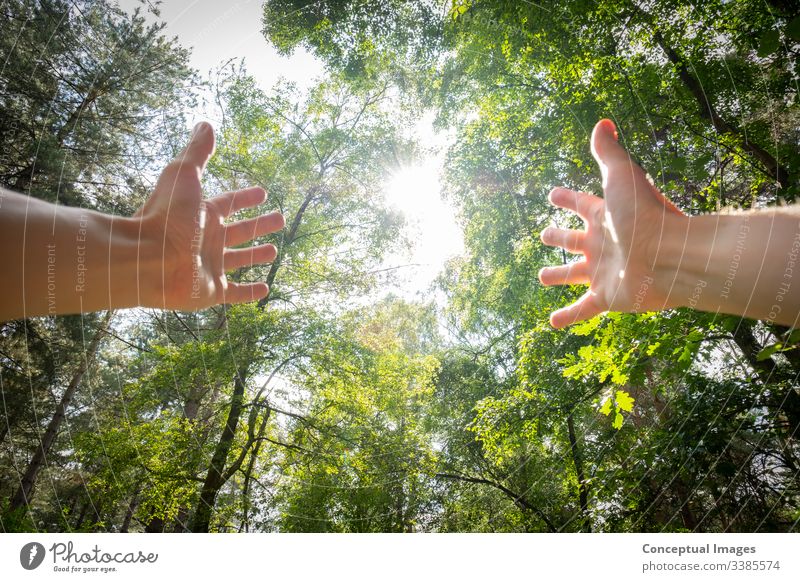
x=246, y=230
x=199, y=149
x=571, y=240
x=231, y=202
x=237, y=258
x=580, y=203
x=584, y=308
x=572, y=274
x=614, y=162
x=245, y=292
x=605, y=145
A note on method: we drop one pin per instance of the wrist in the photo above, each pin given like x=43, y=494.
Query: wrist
x=685, y=259
x=134, y=262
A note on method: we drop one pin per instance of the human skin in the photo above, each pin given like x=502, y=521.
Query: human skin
x=173, y=253
x=640, y=253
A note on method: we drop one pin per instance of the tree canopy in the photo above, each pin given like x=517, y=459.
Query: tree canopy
x=337, y=405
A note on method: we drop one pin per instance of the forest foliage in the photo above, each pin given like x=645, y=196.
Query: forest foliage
x=336, y=406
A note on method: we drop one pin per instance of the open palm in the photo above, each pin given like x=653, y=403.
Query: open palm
x=620, y=241
x=185, y=245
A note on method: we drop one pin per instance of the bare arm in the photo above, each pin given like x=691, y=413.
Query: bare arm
x=171, y=254
x=640, y=253
x=744, y=264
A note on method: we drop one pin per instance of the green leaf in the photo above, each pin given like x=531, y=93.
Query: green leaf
x=586, y=327
x=701, y=161
x=606, y=408
x=768, y=351
x=793, y=28
x=624, y=401
x=768, y=43
x=617, y=424
x=695, y=335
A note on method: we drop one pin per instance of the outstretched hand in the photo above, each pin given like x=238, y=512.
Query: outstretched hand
x=622, y=235
x=185, y=244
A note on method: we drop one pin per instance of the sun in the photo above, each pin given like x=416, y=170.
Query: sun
x=413, y=190
x=431, y=224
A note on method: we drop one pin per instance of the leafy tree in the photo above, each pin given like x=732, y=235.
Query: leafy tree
x=706, y=98
x=85, y=87
x=367, y=463
x=330, y=406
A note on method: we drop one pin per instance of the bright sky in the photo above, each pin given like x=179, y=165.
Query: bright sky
x=217, y=32
x=431, y=221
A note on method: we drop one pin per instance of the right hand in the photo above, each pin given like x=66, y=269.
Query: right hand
x=621, y=239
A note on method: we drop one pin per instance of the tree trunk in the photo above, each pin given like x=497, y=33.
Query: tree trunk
x=215, y=477
x=771, y=166
x=4, y=429
x=82, y=515
x=248, y=475
x=126, y=523
x=583, y=489
x=687, y=515
x=245, y=525
x=191, y=409
x=291, y=234
x=23, y=495
x=155, y=525
x=768, y=372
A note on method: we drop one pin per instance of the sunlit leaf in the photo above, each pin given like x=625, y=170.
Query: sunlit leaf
x=618, y=420
x=624, y=400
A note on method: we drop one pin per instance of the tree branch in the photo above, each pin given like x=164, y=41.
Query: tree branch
x=518, y=499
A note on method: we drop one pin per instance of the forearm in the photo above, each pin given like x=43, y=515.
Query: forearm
x=743, y=264
x=65, y=260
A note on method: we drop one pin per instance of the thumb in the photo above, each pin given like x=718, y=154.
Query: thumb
x=191, y=162
x=200, y=147
x=606, y=149
x=620, y=170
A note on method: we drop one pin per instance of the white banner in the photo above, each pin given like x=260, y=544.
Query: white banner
x=419, y=557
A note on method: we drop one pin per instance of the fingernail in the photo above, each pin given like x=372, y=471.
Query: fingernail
x=616, y=134
x=607, y=121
